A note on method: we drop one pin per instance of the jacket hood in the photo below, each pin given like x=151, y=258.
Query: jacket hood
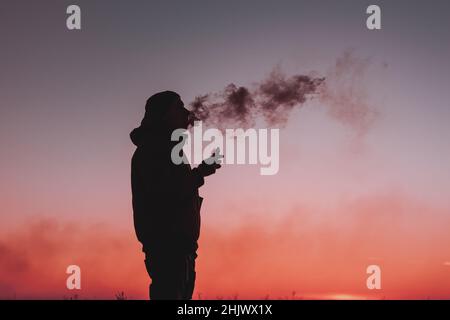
x=138, y=136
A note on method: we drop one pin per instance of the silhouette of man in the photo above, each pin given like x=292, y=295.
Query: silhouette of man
x=166, y=203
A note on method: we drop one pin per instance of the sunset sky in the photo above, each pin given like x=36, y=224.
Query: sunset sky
x=341, y=201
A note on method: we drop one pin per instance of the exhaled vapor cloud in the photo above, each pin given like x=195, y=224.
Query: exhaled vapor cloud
x=344, y=94
x=272, y=99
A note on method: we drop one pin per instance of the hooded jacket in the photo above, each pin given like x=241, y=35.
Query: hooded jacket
x=166, y=203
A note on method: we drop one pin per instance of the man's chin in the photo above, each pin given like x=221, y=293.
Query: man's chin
x=181, y=128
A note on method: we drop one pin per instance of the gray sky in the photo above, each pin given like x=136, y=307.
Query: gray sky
x=69, y=98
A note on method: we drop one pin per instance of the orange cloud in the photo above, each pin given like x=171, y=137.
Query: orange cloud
x=306, y=254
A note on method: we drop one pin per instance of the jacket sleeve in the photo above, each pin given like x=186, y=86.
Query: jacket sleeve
x=167, y=180
x=184, y=181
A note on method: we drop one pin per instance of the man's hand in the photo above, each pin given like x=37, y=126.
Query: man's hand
x=210, y=165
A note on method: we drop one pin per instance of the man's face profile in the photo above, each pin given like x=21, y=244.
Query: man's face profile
x=178, y=116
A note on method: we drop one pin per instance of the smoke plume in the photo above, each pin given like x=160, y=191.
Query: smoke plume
x=344, y=94
x=340, y=91
x=272, y=99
